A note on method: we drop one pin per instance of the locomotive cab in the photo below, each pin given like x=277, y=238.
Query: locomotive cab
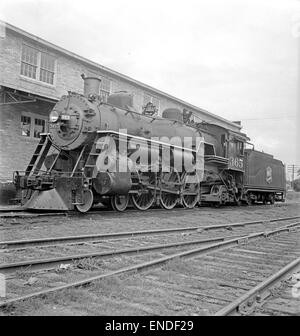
x=224, y=165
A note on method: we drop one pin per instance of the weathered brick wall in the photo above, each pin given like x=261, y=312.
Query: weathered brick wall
x=15, y=149
x=67, y=75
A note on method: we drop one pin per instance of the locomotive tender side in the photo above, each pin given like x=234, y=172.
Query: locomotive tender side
x=264, y=177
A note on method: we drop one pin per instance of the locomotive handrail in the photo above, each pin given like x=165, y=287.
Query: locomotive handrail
x=216, y=156
x=250, y=143
x=146, y=140
x=46, y=172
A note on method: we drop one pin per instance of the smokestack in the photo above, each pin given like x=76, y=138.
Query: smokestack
x=91, y=85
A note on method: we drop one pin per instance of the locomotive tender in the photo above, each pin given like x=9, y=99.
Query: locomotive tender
x=107, y=152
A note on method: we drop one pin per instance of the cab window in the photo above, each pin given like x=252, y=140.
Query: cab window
x=236, y=147
x=209, y=149
x=240, y=148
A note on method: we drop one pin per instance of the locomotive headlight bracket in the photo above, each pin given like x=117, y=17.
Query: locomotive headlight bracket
x=54, y=116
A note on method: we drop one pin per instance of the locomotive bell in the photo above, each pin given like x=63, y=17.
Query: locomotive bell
x=91, y=85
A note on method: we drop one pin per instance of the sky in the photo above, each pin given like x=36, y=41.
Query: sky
x=239, y=59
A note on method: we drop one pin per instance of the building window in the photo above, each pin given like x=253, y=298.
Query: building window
x=105, y=88
x=39, y=127
x=29, y=62
x=147, y=99
x=150, y=99
x=37, y=65
x=25, y=125
x=32, y=125
x=155, y=102
x=47, y=68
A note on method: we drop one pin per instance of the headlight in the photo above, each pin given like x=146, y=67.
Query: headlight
x=53, y=117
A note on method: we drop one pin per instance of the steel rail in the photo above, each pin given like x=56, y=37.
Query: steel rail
x=259, y=292
x=11, y=209
x=153, y=263
x=264, y=221
x=24, y=213
x=13, y=244
x=51, y=263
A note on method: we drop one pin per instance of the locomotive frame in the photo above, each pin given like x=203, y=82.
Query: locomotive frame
x=79, y=187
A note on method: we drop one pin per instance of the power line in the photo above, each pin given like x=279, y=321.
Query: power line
x=269, y=118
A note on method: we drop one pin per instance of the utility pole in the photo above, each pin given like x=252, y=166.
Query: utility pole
x=291, y=169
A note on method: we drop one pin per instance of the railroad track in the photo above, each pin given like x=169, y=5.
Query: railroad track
x=210, y=247
x=13, y=244
x=10, y=225
x=22, y=213
x=113, y=241
x=259, y=296
x=52, y=263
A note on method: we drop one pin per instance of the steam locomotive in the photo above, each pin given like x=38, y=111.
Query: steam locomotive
x=107, y=152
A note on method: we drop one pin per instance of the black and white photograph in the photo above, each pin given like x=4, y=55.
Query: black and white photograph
x=149, y=161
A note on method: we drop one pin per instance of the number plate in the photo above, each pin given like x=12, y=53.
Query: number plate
x=54, y=126
x=236, y=163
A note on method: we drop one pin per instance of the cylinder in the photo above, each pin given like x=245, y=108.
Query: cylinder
x=112, y=183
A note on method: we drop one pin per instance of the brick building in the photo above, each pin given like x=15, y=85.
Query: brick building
x=35, y=73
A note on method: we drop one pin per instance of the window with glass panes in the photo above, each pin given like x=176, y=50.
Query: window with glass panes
x=32, y=125
x=155, y=102
x=39, y=127
x=29, y=62
x=105, y=88
x=47, y=68
x=25, y=125
x=37, y=65
x=147, y=99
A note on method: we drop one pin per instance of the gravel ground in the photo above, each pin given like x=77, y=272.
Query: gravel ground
x=12, y=229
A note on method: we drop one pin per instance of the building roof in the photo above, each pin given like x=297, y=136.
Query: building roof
x=116, y=74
